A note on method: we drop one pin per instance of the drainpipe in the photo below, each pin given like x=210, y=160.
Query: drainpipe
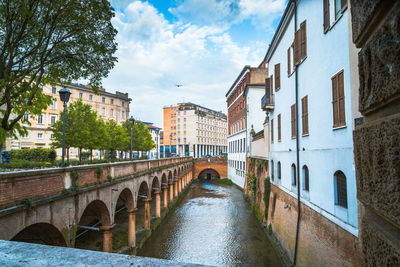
x=297, y=149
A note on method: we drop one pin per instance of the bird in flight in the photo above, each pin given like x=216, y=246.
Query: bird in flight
x=178, y=85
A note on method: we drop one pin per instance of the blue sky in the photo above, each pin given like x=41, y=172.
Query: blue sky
x=202, y=44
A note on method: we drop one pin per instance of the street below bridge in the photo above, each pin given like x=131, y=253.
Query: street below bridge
x=212, y=225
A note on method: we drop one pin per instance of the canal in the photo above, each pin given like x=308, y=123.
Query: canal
x=212, y=225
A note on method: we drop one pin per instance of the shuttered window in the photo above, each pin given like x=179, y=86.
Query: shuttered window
x=272, y=130
x=304, y=115
x=297, y=48
x=289, y=67
x=341, y=189
x=268, y=91
x=293, y=120
x=303, y=39
x=279, y=127
x=338, y=105
x=326, y=16
x=277, y=76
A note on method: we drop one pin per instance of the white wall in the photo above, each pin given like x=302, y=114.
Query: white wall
x=236, y=173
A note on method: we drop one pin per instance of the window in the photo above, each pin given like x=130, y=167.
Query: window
x=26, y=117
x=103, y=99
x=40, y=119
x=326, y=16
x=279, y=127
x=123, y=103
x=90, y=97
x=279, y=170
x=340, y=189
x=339, y=118
x=272, y=170
x=293, y=120
x=103, y=111
x=112, y=101
x=306, y=185
x=300, y=44
x=304, y=115
x=123, y=115
x=277, y=76
x=53, y=104
x=272, y=130
x=53, y=119
x=53, y=90
x=289, y=59
x=111, y=112
x=80, y=95
x=294, y=180
x=40, y=135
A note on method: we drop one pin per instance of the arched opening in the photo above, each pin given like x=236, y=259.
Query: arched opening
x=175, y=174
x=143, y=207
x=305, y=180
x=340, y=189
x=294, y=180
x=95, y=215
x=41, y=233
x=208, y=174
x=122, y=207
x=279, y=170
x=169, y=176
x=155, y=197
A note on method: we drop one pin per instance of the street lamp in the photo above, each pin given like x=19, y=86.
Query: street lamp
x=64, y=96
x=132, y=120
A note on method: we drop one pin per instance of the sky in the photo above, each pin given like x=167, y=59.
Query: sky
x=201, y=44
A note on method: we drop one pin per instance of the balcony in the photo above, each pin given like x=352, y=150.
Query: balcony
x=267, y=102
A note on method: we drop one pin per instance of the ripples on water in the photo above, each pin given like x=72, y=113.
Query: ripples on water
x=212, y=226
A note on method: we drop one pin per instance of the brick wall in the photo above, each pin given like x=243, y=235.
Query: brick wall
x=219, y=165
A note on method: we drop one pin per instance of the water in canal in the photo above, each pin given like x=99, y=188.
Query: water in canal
x=212, y=226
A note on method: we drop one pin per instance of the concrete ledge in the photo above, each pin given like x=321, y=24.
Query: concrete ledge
x=27, y=254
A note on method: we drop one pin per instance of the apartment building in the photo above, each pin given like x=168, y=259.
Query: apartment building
x=248, y=85
x=193, y=130
x=108, y=106
x=308, y=99
x=155, y=135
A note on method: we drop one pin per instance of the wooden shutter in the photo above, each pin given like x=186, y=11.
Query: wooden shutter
x=297, y=48
x=343, y=4
x=304, y=115
x=268, y=95
x=289, y=69
x=326, y=16
x=272, y=130
x=303, y=39
x=277, y=76
x=293, y=120
x=279, y=127
x=341, y=105
x=335, y=101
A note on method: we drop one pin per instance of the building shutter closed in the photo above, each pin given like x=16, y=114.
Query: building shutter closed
x=326, y=16
x=268, y=91
x=279, y=127
x=289, y=67
x=277, y=76
x=342, y=120
x=297, y=48
x=272, y=130
x=303, y=41
x=334, y=102
x=304, y=115
x=293, y=120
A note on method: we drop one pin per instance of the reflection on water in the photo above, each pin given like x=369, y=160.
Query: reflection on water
x=212, y=226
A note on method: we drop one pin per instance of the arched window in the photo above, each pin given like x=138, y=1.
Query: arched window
x=294, y=182
x=340, y=189
x=279, y=170
x=272, y=170
x=306, y=184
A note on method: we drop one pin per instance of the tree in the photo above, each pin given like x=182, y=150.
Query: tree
x=118, y=137
x=142, y=140
x=49, y=42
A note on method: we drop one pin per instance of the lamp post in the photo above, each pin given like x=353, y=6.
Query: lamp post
x=64, y=96
x=132, y=120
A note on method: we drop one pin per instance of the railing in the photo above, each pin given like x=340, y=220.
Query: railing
x=267, y=101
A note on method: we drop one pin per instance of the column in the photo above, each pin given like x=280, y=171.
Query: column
x=158, y=204
x=175, y=187
x=107, y=238
x=132, y=228
x=147, y=213
x=171, y=191
x=179, y=185
x=165, y=192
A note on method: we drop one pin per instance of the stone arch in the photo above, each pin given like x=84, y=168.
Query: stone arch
x=143, y=191
x=170, y=177
x=164, y=179
x=40, y=233
x=125, y=199
x=175, y=173
x=155, y=183
x=208, y=174
x=95, y=211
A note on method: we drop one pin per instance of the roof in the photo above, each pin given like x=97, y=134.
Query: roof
x=237, y=79
x=101, y=91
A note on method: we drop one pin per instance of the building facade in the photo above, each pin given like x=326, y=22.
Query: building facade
x=155, y=135
x=108, y=106
x=250, y=79
x=308, y=99
x=193, y=130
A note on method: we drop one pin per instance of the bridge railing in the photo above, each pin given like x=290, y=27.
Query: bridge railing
x=28, y=185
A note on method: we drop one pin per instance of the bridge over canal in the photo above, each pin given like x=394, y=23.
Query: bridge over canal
x=53, y=206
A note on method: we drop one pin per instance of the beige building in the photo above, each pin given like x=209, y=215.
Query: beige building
x=194, y=131
x=108, y=106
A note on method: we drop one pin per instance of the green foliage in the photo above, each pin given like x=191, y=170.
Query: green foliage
x=99, y=173
x=27, y=202
x=267, y=192
x=251, y=182
x=225, y=181
x=24, y=164
x=50, y=42
x=270, y=228
x=74, y=180
x=256, y=211
x=141, y=137
x=252, y=164
x=34, y=154
x=85, y=155
x=109, y=178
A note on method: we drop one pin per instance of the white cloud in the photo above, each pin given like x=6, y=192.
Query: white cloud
x=155, y=54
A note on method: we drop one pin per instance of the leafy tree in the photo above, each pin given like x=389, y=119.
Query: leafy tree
x=117, y=137
x=49, y=42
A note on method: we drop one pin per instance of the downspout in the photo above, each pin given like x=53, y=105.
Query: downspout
x=297, y=149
